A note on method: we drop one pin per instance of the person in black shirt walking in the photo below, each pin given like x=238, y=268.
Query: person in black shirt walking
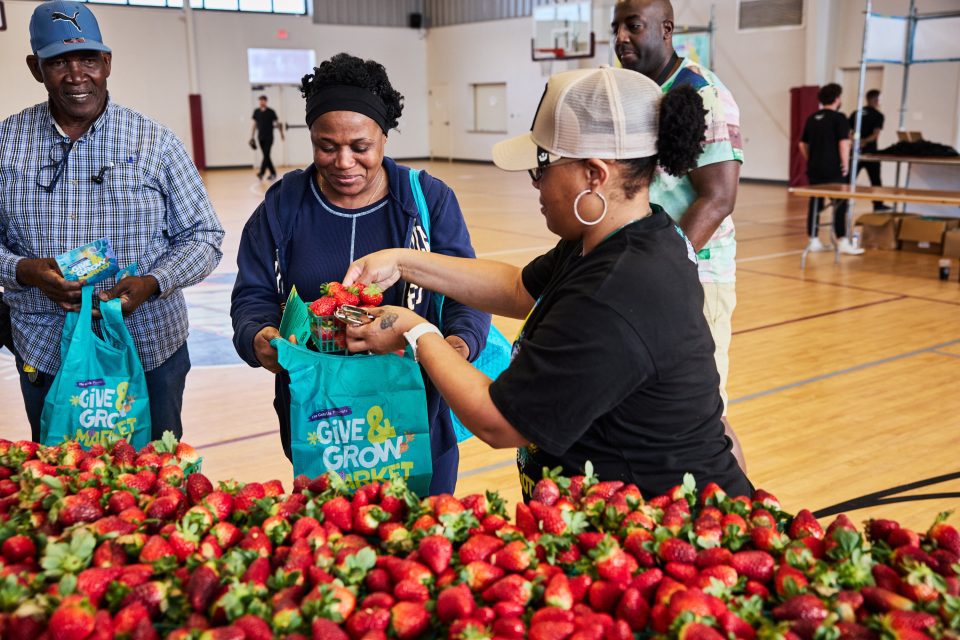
x=826, y=146
x=870, y=127
x=264, y=120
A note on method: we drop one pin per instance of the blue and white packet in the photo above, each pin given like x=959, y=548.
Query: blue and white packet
x=91, y=263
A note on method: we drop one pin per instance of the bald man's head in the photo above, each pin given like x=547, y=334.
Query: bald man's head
x=643, y=34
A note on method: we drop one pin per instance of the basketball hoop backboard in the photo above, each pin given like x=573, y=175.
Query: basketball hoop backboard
x=562, y=30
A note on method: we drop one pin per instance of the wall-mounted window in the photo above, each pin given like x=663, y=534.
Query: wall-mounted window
x=297, y=7
x=490, y=108
x=769, y=14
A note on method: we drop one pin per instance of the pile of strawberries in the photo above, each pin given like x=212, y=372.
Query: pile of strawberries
x=119, y=543
x=329, y=334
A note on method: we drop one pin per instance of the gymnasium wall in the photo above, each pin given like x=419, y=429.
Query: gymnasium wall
x=759, y=67
x=150, y=69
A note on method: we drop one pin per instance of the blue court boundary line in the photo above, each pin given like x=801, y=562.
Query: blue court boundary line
x=841, y=372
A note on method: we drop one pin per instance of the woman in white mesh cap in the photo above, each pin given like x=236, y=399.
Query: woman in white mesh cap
x=614, y=364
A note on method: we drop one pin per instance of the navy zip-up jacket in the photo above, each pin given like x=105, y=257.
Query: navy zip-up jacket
x=262, y=285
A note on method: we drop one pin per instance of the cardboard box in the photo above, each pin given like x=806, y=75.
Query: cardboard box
x=879, y=230
x=951, y=244
x=924, y=235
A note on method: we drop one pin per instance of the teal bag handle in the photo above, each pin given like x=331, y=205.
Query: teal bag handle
x=495, y=356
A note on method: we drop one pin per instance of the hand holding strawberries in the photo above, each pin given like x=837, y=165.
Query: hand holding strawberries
x=385, y=333
x=381, y=268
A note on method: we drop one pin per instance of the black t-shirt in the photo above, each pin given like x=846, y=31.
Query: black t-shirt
x=265, y=119
x=823, y=132
x=871, y=121
x=615, y=365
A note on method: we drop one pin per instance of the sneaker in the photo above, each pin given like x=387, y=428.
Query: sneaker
x=846, y=248
x=883, y=207
x=815, y=246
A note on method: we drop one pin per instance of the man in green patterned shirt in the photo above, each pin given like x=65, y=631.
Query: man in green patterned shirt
x=702, y=201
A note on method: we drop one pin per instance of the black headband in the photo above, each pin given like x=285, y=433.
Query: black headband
x=341, y=97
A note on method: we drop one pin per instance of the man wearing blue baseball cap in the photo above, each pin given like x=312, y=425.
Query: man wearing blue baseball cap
x=79, y=167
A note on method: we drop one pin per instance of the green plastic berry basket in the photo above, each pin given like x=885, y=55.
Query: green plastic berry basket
x=328, y=334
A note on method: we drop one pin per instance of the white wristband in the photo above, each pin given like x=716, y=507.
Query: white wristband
x=416, y=333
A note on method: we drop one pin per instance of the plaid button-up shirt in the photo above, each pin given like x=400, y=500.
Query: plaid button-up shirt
x=151, y=204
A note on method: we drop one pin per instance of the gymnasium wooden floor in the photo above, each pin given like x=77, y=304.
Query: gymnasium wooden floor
x=844, y=381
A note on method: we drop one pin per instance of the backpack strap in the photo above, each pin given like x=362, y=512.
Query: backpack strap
x=421, y=201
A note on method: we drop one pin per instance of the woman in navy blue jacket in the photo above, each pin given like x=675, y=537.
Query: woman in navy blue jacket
x=351, y=202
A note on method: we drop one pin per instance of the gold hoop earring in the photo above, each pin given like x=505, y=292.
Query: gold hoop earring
x=576, y=210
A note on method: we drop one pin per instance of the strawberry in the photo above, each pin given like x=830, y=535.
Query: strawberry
x=436, y=552
x=72, y=620
x=802, y=607
x=254, y=628
x=755, y=565
x=558, y=592
x=226, y=534
x=726, y=575
x=324, y=306
x=119, y=501
x=676, y=550
x=692, y=601
x=685, y=573
x=804, y=524
x=525, y=520
x=788, y=581
x=478, y=547
x=409, y=620
x=77, y=508
x=345, y=296
x=879, y=530
x=604, y=596
x=411, y=591
x=258, y=572
x=647, y=582
x=713, y=556
x=514, y=557
x=155, y=549
x=550, y=630
x=945, y=536
x=368, y=622
x=256, y=540
x=321, y=628
x=479, y=575
x=698, y=631
x=633, y=609
x=198, y=487
x=339, y=512
x=18, y=548
x=903, y=538
x=220, y=504
x=370, y=295
x=202, y=587
x=93, y=582
x=455, y=603
x=512, y=588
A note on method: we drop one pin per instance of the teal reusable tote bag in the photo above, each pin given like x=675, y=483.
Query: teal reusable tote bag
x=361, y=416
x=100, y=393
x=495, y=357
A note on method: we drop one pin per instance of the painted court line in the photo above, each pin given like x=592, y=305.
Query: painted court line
x=817, y=315
x=490, y=467
x=769, y=256
x=841, y=372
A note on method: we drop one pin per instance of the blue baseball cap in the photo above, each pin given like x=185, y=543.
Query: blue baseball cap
x=59, y=27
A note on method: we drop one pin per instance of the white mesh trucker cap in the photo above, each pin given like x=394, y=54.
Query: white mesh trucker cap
x=605, y=113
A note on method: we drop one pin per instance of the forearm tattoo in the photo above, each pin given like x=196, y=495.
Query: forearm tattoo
x=387, y=320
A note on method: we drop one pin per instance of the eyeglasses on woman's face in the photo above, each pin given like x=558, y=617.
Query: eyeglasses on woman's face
x=537, y=174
